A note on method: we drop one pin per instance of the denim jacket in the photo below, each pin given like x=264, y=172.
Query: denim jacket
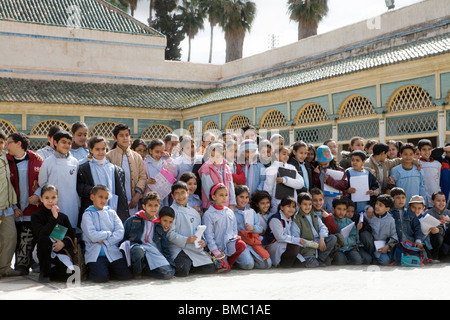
x=407, y=224
x=134, y=228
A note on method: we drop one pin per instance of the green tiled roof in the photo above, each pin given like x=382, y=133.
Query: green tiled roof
x=93, y=14
x=97, y=94
x=420, y=49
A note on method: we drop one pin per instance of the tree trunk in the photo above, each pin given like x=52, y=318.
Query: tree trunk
x=234, y=45
x=189, y=51
x=211, y=43
x=150, y=12
x=307, y=28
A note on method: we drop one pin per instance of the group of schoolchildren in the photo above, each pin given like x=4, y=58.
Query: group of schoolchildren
x=169, y=208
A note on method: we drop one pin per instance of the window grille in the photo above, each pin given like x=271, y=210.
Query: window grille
x=410, y=98
x=355, y=106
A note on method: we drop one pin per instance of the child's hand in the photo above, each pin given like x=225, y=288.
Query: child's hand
x=391, y=180
x=351, y=190
x=370, y=192
x=201, y=244
x=322, y=245
x=34, y=200
x=418, y=245
x=302, y=241
x=325, y=214
x=151, y=180
x=55, y=210
x=434, y=230
x=359, y=226
x=369, y=212
x=197, y=207
x=249, y=227
x=191, y=239
x=279, y=180
x=384, y=250
x=58, y=245
x=317, y=170
x=18, y=213
x=445, y=218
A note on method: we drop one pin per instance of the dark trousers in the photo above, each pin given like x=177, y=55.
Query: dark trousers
x=59, y=271
x=183, y=265
x=289, y=257
x=102, y=270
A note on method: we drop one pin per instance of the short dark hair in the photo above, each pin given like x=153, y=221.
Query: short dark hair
x=302, y=196
x=350, y=203
x=340, y=200
x=316, y=191
x=179, y=185
x=77, y=125
x=185, y=177
x=155, y=143
x=433, y=196
x=94, y=140
x=358, y=153
x=62, y=134
x=286, y=201
x=99, y=187
x=120, y=127
x=48, y=187
x=166, y=212
x=407, y=145
x=424, y=142
x=379, y=148
x=241, y=189
x=396, y=191
x=386, y=199
x=149, y=196
x=20, y=137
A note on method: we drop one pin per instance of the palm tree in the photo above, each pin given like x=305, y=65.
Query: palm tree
x=133, y=5
x=238, y=15
x=192, y=17
x=308, y=14
x=121, y=4
x=214, y=11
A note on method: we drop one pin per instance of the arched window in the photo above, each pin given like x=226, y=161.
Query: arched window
x=156, y=131
x=103, y=129
x=272, y=119
x=409, y=97
x=355, y=106
x=41, y=129
x=7, y=127
x=211, y=126
x=311, y=113
x=236, y=123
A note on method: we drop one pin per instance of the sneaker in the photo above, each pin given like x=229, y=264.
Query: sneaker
x=43, y=279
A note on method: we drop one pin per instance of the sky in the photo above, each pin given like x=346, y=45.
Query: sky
x=272, y=22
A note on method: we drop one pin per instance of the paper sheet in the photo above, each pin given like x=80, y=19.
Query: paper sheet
x=248, y=217
x=125, y=247
x=346, y=230
x=378, y=245
x=198, y=233
x=163, y=185
x=361, y=184
x=428, y=222
x=329, y=190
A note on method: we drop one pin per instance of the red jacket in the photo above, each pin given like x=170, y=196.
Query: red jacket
x=34, y=166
